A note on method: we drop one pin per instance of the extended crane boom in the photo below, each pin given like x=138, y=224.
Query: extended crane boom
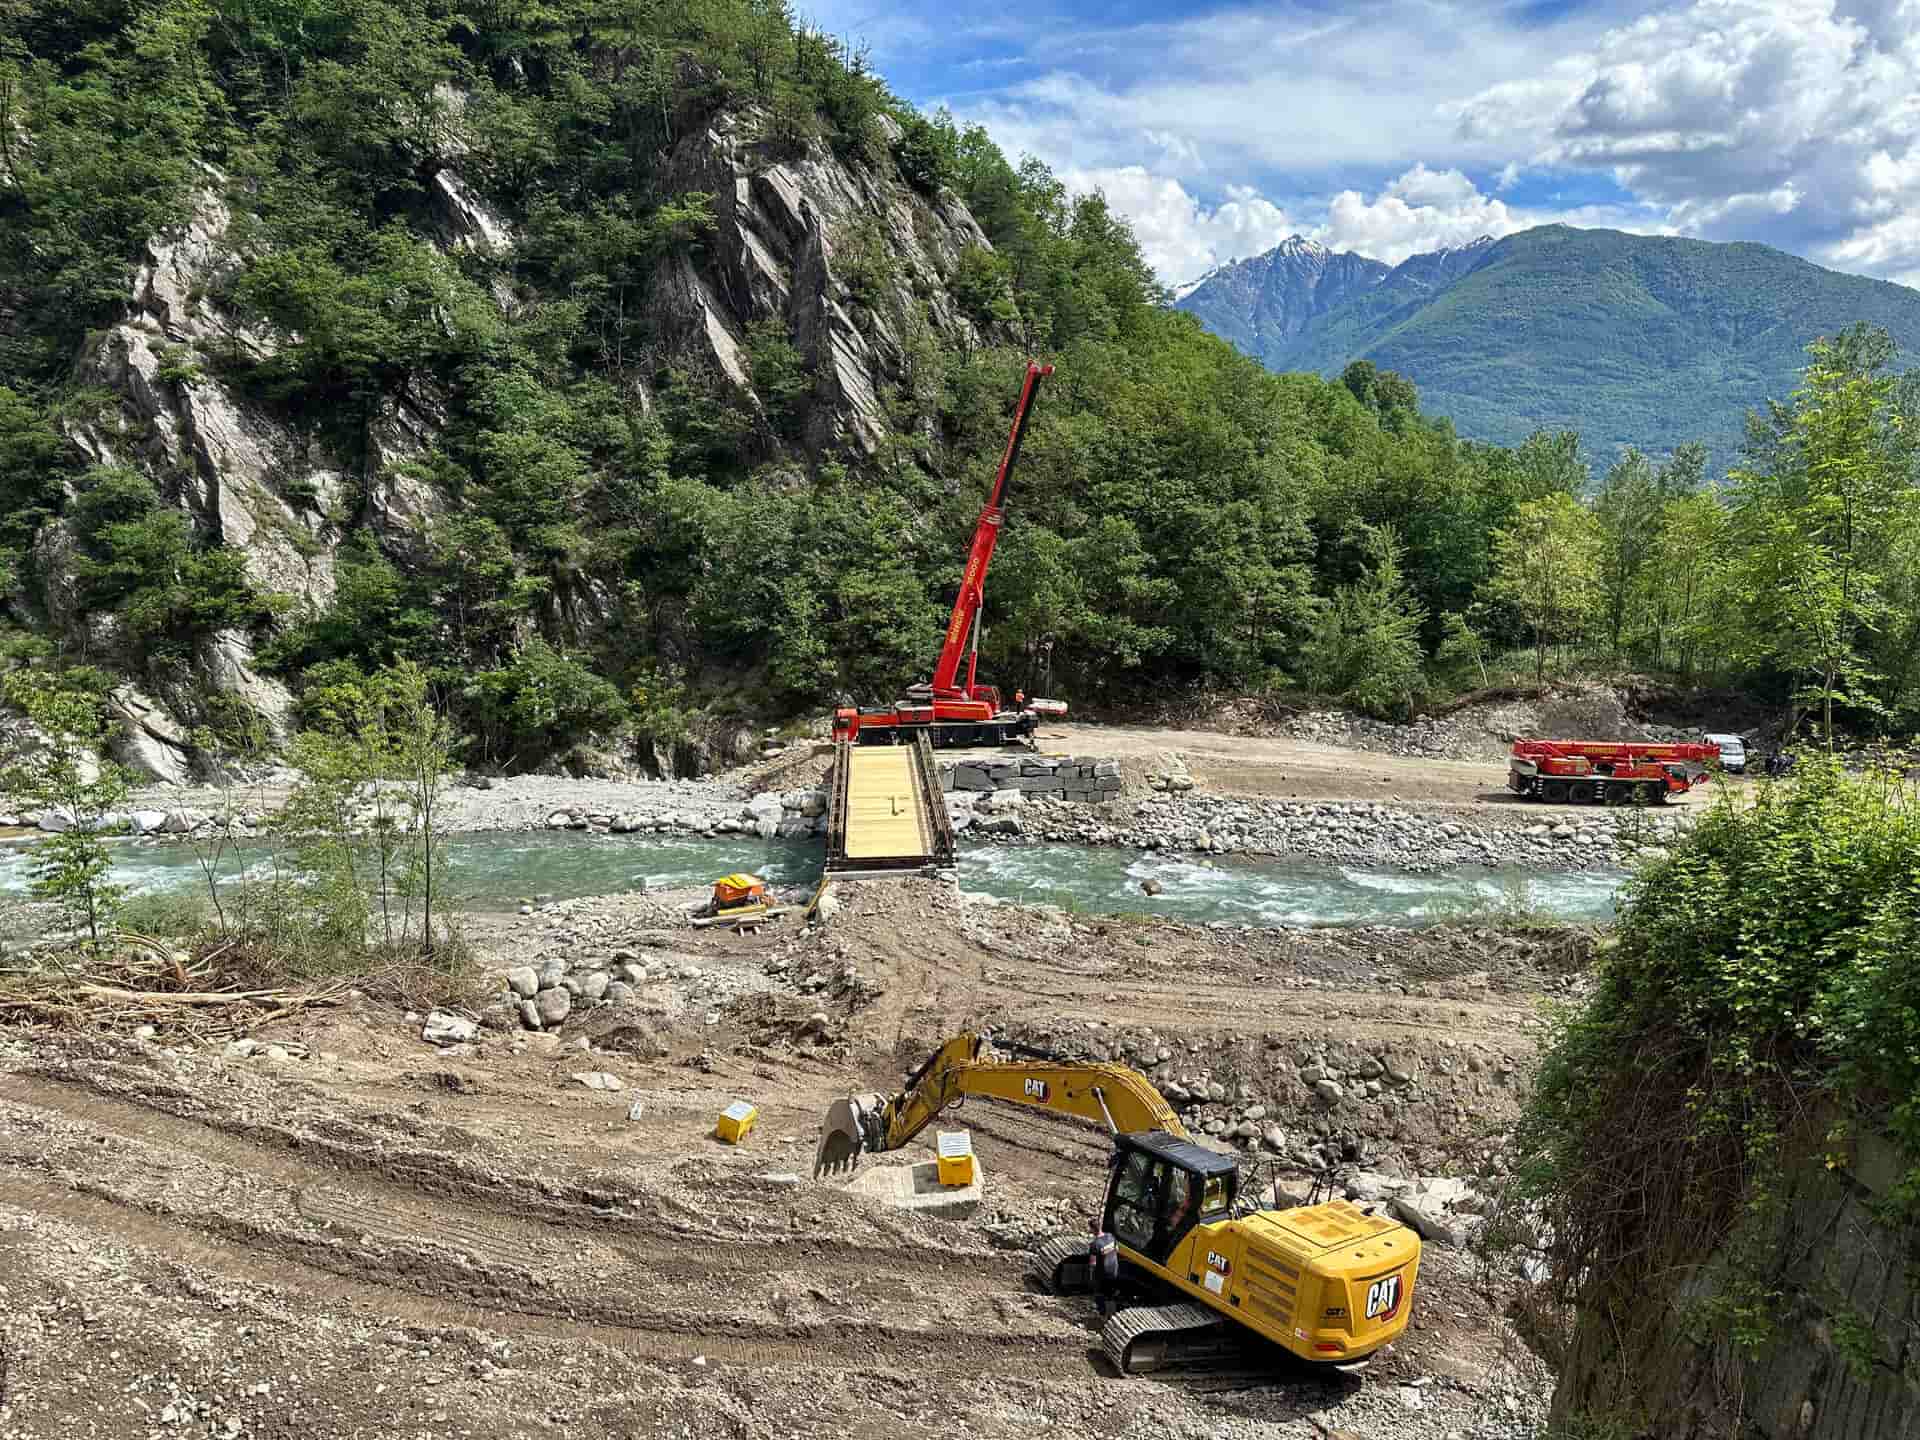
x=963, y=627
x=956, y=709
x=1329, y=1282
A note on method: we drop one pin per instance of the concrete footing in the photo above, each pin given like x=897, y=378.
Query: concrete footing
x=917, y=1187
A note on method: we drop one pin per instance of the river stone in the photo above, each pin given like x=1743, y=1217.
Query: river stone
x=619, y=992
x=1151, y=887
x=1256, y=1112
x=443, y=1027
x=1216, y=1092
x=530, y=1014
x=554, y=1005
x=1274, y=1138
x=147, y=822
x=559, y=820
x=594, y=985
x=524, y=981
x=597, y=1079
x=1175, y=1092
x=551, y=974
x=1329, y=1091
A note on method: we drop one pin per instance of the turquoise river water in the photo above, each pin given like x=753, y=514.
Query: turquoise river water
x=498, y=871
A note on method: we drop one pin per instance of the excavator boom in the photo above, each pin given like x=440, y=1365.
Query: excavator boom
x=1120, y=1098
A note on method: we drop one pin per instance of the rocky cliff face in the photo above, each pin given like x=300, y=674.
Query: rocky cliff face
x=785, y=226
x=1842, y=1359
x=1262, y=304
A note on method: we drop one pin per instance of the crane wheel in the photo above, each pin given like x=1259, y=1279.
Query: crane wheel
x=1554, y=792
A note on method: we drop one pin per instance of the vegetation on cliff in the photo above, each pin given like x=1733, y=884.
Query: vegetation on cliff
x=1757, y=1010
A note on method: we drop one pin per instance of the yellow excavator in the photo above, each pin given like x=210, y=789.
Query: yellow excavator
x=1330, y=1282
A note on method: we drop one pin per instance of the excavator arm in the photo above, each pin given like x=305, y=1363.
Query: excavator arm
x=1116, y=1096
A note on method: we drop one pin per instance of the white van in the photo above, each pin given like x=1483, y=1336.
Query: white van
x=1733, y=752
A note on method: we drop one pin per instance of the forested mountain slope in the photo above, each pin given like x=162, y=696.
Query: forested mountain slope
x=1630, y=339
x=638, y=372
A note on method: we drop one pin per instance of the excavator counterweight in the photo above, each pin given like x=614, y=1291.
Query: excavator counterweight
x=1330, y=1283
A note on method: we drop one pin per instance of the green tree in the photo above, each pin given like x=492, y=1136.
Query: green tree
x=64, y=779
x=1546, y=566
x=1627, y=509
x=1814, y=523
x=1365, y=646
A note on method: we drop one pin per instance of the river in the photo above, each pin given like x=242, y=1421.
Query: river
x=500, y=871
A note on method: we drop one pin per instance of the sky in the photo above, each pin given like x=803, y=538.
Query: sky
x=1390, y=129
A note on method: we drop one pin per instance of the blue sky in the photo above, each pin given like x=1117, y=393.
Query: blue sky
x=1220, y=129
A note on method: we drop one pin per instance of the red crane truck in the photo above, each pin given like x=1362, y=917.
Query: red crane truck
x=1602, y=771
x=950, y=710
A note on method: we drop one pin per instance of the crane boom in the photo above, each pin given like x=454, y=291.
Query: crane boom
x=1116, y=1096
x=963, y=627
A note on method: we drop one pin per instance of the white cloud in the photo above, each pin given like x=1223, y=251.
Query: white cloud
x=1792, y=121
x=1428, y=210
x=1180, y=237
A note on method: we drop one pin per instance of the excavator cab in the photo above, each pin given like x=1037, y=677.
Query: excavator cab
x=1161, y=1187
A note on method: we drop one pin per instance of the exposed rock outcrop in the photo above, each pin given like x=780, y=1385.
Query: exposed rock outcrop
x=834, y=250
x=1840, y=1359
x=782, y=227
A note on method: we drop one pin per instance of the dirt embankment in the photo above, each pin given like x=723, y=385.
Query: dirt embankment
x=389, y=1239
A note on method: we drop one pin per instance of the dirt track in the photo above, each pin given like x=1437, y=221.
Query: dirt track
x=395, y=1241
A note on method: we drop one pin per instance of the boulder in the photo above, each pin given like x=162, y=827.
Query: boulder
x=597, y=1079
x=443, y=1027
x=147, y=822
x=554, y=1005
x=1329, y=1091
x=593, y=986
x=147, y=741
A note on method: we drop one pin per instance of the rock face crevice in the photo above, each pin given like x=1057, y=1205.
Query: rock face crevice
x=1841, y=1360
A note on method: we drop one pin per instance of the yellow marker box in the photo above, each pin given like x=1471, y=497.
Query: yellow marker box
x=956, y=1157
x=735, y=1121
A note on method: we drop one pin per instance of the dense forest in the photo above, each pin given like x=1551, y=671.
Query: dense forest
x=1182, y=520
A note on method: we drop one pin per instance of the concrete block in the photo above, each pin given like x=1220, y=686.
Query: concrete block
x=971, y=777
x=1105, y=769
x=918, y=1187
x=1039, y=767
x=1048, y=784
x=1003, y=769
x=946, y=779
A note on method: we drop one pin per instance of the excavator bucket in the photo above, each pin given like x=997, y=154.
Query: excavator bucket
x=842, y=1138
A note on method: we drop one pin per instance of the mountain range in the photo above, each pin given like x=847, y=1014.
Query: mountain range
x=1630, y=339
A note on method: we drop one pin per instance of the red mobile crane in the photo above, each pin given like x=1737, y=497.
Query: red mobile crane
x=1583, y=771
x=950, y=711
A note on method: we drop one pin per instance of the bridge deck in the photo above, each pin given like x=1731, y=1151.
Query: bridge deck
x=887, y=812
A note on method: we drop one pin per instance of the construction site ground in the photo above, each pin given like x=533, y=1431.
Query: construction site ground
x=370, y=1237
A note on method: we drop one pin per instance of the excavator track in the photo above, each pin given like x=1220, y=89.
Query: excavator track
x=1159, y=1337
x=1043, y=1265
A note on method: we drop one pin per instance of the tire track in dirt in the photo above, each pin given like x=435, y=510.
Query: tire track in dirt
x=911, y=1350
x=359, y=1199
